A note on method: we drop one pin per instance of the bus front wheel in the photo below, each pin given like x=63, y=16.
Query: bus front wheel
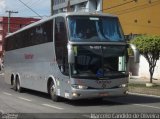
x=18, y=86
x=14, y=85
x=52, y=92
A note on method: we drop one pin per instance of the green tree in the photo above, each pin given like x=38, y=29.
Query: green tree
x=149, y=47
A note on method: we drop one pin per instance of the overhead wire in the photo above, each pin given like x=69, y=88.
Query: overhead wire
x=142, y=25
x=36, y=3
x=118, y=5
x=32, y=3
x=22, y=7
x=124, y=10
x=132, y=9
x=136, y=8
x=30, y=8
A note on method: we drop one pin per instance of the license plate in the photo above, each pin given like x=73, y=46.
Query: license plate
x=103, y=94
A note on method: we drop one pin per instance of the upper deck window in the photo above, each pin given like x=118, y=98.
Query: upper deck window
x=96, y=29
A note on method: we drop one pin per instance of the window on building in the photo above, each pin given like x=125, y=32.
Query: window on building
x=0, y=37
x=1, y=26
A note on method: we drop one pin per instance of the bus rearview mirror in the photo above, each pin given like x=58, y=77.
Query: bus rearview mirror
x=71, y=58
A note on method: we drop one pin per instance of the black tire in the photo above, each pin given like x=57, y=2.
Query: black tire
x=52, y=92
x=14, y=85
x=18, y=86
x=99, y=99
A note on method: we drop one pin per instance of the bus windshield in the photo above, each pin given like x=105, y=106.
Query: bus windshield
x=96, y=29
x=99, y=62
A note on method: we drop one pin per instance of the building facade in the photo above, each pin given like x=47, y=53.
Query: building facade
x=137, y=17
x=15, y=24
x=77, y=5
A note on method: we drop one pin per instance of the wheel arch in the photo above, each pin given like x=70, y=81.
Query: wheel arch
x=12, y=78
x=17, y=77
x=50, y=79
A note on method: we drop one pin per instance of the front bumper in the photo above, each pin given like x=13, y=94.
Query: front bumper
x=98, y=93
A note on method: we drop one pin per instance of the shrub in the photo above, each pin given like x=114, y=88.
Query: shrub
x=149, y=47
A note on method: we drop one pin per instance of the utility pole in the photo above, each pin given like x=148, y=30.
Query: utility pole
x=69, y=6
x=52, y=7
x=9, y=16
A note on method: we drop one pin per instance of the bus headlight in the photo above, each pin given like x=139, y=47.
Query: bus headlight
x=123, y=85
x=79, y=87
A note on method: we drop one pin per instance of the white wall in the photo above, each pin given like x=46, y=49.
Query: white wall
x=94, y=5
x=91, y=5
x=144, y=69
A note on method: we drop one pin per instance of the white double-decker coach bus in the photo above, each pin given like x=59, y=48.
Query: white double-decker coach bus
x=70, y=55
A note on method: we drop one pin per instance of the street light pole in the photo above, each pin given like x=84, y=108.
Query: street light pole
x=69, y=6
x=9, y=16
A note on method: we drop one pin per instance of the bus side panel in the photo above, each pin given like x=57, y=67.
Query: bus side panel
x=34, y=64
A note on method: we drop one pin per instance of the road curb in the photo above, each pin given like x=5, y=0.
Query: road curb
x=139, y=94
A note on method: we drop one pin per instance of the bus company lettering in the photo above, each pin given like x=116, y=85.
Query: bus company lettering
x=79, y=81
x=28, y=56
x=103, y=81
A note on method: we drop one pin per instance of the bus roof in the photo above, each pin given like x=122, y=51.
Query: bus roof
x=60, y=14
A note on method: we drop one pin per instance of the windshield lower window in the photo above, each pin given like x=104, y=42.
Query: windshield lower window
x=84, y=29
x=99, y=62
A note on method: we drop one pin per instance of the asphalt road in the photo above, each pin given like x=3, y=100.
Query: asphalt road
x=32, y=104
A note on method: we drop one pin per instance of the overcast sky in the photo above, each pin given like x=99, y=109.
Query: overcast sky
x=42, y=7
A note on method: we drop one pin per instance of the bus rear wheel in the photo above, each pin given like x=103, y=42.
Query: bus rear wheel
x=52, y=92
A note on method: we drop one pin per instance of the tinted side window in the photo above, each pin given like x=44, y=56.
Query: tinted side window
x=42, y=33
x=39, y=34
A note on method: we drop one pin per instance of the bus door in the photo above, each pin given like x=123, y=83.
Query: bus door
x=61, y=50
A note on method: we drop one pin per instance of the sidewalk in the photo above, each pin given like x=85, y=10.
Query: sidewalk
x=138, y=85
x=140, y=80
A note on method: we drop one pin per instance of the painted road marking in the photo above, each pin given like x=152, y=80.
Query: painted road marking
x=155, y=96
x=1, y=74
x=1, y=111
x=6, y=93
x=147, y=106
x=128, y=103
x=52, y=106
x=24, y=99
